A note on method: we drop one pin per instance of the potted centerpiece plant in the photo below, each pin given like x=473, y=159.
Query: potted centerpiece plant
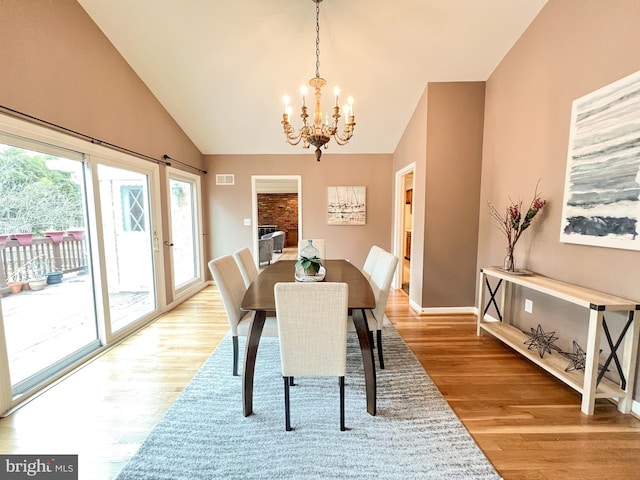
x=309, y=267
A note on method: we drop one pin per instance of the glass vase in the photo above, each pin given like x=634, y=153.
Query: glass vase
x=310, y=251
x=509, y=263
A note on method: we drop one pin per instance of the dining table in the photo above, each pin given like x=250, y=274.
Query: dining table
x=260, y=298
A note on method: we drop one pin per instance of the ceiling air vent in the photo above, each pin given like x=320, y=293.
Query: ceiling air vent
x=225, y=179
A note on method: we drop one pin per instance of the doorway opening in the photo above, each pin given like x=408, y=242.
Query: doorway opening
x=404, y=226
x=277, y=207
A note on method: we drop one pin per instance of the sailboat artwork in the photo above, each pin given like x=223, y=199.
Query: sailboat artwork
x=347, y=205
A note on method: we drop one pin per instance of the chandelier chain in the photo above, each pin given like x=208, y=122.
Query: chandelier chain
x=317, y=39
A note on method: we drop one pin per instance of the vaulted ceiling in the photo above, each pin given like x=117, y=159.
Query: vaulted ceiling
x=221, y=67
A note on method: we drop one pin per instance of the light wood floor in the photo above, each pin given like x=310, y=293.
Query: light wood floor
x=528, y=424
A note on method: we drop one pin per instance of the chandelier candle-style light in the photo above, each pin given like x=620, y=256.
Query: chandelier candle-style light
x=322, y=129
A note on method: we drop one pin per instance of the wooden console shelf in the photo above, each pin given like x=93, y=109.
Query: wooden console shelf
x=586, y=383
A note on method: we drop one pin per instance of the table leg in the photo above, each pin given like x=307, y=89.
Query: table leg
x=250, y=352
x=367, y=358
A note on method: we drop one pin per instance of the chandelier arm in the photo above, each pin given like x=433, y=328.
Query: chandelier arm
x=339, y=140
x=289, y=132
x=293, y=139
x=348, y=133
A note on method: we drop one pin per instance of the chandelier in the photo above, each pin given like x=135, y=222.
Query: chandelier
x=320, y=132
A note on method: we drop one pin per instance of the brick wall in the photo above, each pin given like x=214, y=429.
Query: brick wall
x=280, y=209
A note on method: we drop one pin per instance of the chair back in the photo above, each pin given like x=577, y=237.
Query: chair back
x=317, y=242
x=265, y=250
x=312, y=326
x=380, y=281
x=229, y=280
x=370, y=261
x=278, y=241
x=247, y=265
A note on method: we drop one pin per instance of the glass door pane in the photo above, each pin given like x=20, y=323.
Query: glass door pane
x=184, y=228
x=128, y=244
x=47, y=301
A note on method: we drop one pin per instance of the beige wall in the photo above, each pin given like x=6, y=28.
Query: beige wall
x=444, y=138
x=454, y=157
x=229, y=205
x=572, y=48
x=59, y=67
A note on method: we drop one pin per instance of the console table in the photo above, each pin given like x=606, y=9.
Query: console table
x=495, y=289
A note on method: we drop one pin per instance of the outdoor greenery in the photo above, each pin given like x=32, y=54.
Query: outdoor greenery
x=33, y=197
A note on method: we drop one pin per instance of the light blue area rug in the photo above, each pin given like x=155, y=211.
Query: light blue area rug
x=415, y=434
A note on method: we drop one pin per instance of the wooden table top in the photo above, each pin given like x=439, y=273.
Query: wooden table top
x=259, y=295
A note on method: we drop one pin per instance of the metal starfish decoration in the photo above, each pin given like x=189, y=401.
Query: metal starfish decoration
x=577, y=357
x=541, y=341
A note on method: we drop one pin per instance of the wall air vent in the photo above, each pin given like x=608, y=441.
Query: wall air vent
x=225, y=179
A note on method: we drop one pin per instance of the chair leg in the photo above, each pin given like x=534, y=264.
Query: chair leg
x=235, y=356
x=342, y=427
x=379, y=341
x=291, y=382
x=287, y=416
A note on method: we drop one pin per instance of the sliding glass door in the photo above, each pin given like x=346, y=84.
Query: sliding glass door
x=49, y=306
x=78, y=254
x=128, y=244
x=185, y=245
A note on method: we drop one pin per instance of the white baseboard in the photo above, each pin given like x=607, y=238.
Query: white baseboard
x=442, y=310
x=414, y=306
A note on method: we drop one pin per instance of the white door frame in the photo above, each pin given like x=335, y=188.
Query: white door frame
x=399, y=220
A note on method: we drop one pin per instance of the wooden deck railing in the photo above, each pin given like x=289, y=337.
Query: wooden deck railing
x=41, y=257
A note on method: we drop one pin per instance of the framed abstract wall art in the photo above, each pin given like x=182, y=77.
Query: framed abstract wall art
x=601, y=204
x=346, y=205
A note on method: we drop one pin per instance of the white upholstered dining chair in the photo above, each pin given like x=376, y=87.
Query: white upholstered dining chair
x=247, y=265
x=380, y=281
x=228, y=278
x=312, y=326
x=370, y=261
